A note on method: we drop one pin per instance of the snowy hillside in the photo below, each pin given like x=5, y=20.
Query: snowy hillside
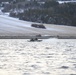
x=13, y=27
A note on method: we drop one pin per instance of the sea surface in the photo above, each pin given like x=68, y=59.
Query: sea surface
x=48, y=57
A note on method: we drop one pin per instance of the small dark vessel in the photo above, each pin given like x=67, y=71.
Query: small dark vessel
x=38, y=26
x=35, y=39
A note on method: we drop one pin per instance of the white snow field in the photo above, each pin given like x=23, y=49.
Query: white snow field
x=49, y=57
x=13, y=27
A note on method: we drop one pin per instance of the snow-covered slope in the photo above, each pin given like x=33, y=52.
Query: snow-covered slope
x=13, y=27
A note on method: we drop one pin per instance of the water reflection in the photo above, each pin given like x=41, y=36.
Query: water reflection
x=55, y=57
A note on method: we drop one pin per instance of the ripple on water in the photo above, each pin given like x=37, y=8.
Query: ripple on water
x=35, y=66
x=47, y=73
x=72, y=74
x=64, y=67
x=26, y=74
x=74, y=65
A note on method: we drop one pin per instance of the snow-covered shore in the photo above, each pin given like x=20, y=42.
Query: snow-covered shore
x=13, y=27
x=49, y=57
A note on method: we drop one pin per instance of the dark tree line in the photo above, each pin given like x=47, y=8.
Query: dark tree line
x=51, y=12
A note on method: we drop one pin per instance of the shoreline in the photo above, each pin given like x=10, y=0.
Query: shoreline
x=42, y=37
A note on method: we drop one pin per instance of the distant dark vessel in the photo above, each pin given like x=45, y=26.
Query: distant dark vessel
x=38, y=26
